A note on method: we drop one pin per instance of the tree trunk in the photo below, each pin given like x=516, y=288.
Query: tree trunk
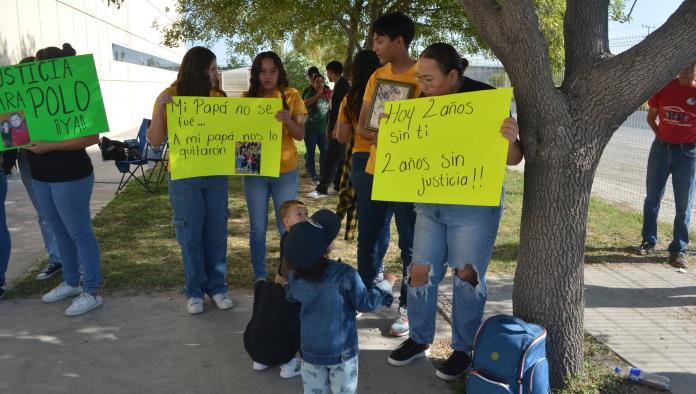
x=564, y=132
x=547, y=270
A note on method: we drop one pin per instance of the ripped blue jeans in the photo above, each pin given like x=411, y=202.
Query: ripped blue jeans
x=454, y=236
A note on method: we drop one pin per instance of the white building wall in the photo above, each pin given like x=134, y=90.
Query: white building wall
x=90, y=26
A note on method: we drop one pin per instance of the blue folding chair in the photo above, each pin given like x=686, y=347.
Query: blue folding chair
x=151, y=156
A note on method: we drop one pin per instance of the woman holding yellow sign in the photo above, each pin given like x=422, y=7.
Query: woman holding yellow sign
x=269, y=79
x=458, y=236
x=199, y=204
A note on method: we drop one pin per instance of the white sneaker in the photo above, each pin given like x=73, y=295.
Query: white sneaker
x=290, y=369
x=194, y=305
x=83, y=304
x=399, y=327
x=223, y=301
x=315, y=194
x=259, y=366
x=62, y=291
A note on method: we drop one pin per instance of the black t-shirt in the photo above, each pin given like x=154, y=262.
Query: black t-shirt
x=60, y=166
x=472, y=85
x=341, y=88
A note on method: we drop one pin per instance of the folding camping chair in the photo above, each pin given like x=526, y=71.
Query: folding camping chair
x=148, y=156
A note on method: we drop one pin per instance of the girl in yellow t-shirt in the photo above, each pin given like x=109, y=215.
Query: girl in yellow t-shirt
x=269, y=79
x=199, y=204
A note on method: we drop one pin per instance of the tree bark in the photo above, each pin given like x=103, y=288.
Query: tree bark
x=549, y=276
x=564, y=132
x=586, y=36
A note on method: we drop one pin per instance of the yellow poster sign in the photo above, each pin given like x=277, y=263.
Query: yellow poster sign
x=224, y=136
x=443, y=149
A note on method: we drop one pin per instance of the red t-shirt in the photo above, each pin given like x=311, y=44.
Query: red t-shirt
x=677, y=113
x=20, y=135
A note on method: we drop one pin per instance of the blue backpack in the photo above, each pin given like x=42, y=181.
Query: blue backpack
x=509, y=358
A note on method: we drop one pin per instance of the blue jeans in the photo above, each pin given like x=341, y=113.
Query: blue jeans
x=47, y=234
x=200, y=217
x=341, y=378
x=662, y=162
x=5, y=243
x=373, y=226
x=257, y=190
x=65, y=206
x=454, y=235
x=313, y=141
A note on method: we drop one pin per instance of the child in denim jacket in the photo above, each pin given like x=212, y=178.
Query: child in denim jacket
x=329, y=293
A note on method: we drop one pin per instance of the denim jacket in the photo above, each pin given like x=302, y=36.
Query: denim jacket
x=327, y=316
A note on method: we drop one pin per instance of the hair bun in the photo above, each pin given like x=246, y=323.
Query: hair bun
x=68, y=50
x=465, y=64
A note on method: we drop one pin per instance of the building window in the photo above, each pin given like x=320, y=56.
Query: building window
x=127, y=55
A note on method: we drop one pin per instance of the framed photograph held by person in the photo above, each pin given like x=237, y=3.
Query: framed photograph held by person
x=386, y=90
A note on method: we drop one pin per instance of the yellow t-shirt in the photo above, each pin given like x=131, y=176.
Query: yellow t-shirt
x=288, y=151
x=360, y=145
x=385, y=73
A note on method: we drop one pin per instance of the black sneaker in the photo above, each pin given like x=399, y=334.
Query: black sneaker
x=454, y=366
x=678, y=260
x=49, y=270
x=408, y=351
x=2, y=291
x=645, y=248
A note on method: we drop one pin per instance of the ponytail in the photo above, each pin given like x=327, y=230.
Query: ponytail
x=447, y=58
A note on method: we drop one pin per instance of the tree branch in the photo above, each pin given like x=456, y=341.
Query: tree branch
x=628, y=16
x=643, y=70
x=511, y=29
x=586, y=36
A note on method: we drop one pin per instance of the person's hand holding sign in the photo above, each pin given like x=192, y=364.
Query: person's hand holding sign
x=40, y=147
x=295, y=124
x=510, y=130
x=158, y=126
x=163, y=99
x=284, y=116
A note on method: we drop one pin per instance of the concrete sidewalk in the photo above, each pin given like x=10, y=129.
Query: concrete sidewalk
x=647, y=314
x=27, y=244
x=150, y=344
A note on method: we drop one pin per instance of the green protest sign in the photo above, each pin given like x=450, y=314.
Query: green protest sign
x=51, y=100
x=224, y=136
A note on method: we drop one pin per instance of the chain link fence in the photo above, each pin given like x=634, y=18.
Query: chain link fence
x=620, y=177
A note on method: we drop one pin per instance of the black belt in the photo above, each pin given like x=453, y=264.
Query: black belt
x=667, y=145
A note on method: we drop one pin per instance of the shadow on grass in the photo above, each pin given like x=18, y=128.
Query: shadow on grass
x=616, y=254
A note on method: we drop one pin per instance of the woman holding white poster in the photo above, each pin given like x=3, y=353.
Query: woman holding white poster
x=458, y=236
x=269, y=79
x=199, y=204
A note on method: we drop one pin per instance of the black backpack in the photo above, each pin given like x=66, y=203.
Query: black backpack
x=272, y=336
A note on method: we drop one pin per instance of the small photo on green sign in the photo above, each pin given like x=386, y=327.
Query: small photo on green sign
x=14, y=130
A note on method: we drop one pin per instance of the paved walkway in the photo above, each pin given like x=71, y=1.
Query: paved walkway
x=647, y=314
x=150, y=344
